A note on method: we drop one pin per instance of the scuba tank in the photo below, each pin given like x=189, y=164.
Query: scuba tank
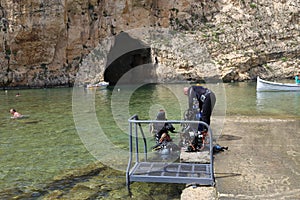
x=196, y=143
x=195, y=103
x=196, y=109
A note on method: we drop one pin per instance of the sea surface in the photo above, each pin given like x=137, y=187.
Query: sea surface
x=67, y=128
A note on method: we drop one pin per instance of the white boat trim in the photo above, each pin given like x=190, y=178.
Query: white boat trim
x=263, y=85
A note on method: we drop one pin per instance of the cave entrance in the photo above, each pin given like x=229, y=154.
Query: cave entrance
x=129, y=62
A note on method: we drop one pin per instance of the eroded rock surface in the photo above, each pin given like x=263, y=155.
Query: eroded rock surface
x=44, y=43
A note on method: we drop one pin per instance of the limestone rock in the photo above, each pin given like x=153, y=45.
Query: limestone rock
x=201, y=193
x=44, y=43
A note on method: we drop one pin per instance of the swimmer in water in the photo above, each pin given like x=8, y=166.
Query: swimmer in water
x=15, y=114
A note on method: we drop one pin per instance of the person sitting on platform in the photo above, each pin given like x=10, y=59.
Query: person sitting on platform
x=161, y=130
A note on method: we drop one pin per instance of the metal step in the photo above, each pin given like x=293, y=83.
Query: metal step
x=189, y=173
x=142, y=170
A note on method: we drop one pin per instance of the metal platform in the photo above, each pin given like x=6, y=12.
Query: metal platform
x=164, y=171
x=172, y=173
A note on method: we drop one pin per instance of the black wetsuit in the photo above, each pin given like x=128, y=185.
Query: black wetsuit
x=206, y=100
x=162, y=128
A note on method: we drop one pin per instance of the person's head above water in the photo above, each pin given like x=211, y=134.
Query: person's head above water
x=12, y=111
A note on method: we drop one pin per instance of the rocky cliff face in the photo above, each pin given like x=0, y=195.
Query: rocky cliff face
x=45, y=42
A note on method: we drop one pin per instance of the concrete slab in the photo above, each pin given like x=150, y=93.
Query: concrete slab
x=202, y=157
x=263, y=160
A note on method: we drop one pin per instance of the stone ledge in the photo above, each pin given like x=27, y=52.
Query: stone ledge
x=199, y=193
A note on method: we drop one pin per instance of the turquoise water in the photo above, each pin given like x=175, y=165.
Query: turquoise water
x=54, y=137
x=242, y=99
x=34, y=149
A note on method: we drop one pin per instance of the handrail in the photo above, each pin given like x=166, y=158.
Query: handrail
x=144, y=139
x=134, y=120
x=130, y=156
x=167, y=121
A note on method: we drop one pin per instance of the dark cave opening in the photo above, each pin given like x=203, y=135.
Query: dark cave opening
x=129, y=62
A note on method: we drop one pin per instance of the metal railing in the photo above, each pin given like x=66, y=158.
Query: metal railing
x=174, y=172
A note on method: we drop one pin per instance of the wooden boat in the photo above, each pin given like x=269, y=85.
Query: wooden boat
x=102, y=84
x=263, y=85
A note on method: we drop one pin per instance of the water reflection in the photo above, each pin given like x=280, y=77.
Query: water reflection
x=283, y=103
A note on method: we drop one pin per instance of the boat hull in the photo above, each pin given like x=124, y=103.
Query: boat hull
x=97, y=85
x=263, y=85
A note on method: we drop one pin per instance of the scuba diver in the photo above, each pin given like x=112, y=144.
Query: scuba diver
x=161, y=130
x=201, y=102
